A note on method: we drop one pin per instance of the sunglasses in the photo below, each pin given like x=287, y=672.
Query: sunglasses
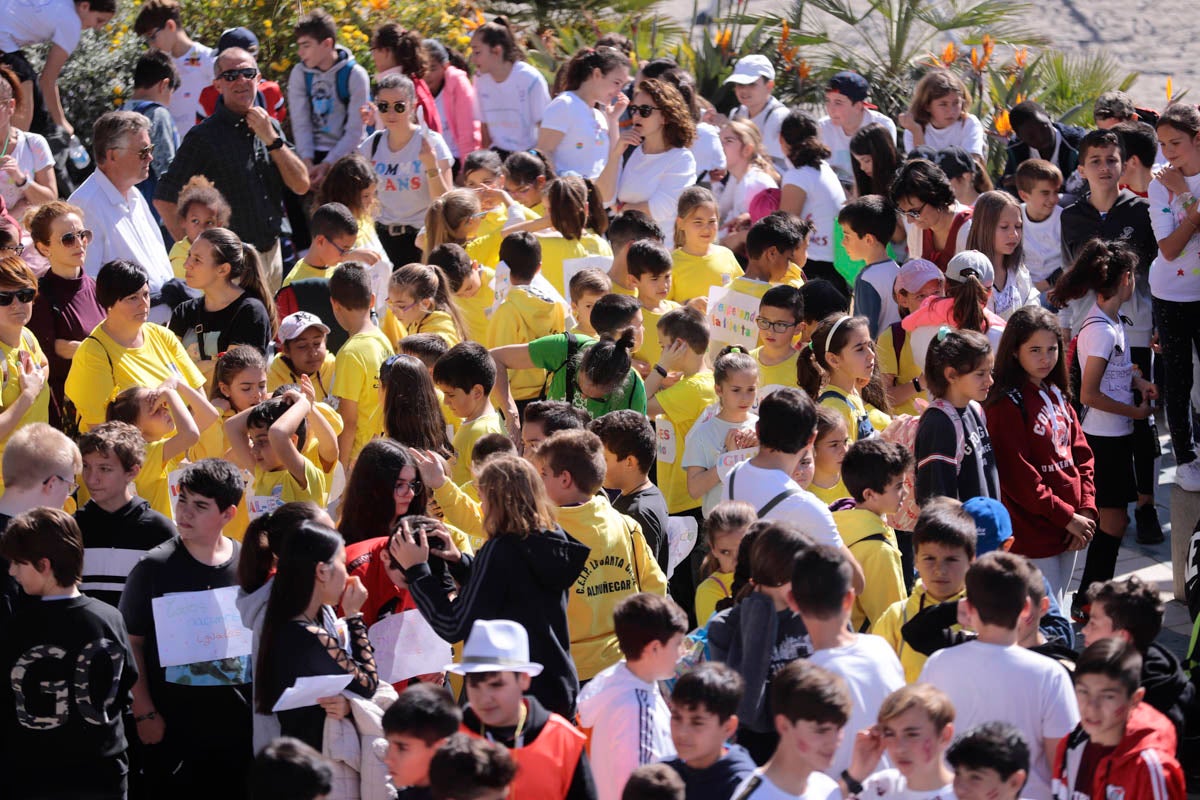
x=68, y=239
x=415, y=485
x=643, y=111
x=914, y=213
x=765, y=324
x=231, y=75
x=20, y=295
x=384, y=106
x=145, y=154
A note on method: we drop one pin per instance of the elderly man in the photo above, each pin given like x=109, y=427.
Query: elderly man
x=245, y=154
x=115, y=212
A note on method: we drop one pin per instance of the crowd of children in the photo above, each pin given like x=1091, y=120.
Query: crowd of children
x=592, y=444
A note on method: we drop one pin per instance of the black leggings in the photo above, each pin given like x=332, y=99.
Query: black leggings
x=1146, y=448
x=1179, y=333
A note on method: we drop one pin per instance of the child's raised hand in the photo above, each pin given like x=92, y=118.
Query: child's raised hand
x=31, y=378
x=674, y=356
x=306, y=388
x=908, y=122
x=430, y=466
x=868, y=749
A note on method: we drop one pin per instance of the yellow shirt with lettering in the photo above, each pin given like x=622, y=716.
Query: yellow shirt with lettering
x=682, y=404
x=274, y=488
x=151, y=483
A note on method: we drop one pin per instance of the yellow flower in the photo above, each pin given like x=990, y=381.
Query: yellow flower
x=1001, y=123
x=266, y=22
x=949, y=54
x=380, y=5
x=1170, y=89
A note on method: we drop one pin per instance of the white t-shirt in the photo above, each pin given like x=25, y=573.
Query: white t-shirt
x=768, y=121
x=26, y=22
x=872, y=672
x=403, y=186
x=584, y=146
x=32, y=154
x=889, y=784
x=1042, y=244
x=820, y=787
x=704, y=446
x=707, y=149
x=1178, y=280
x=512, y=110
x=989, y=682
x=823, y=198
x=658, y=179
x=966, y=133
x=758, y=486
x=838, y=141
x=195, y=73
x=1105, y=338
x=734, y=196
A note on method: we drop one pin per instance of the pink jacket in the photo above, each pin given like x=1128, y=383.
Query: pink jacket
x=940, y=311
x=458, y=101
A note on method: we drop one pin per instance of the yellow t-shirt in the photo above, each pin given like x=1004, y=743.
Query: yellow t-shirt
x=304, y=270
x=464, y=442
x=213, y=441
x=280, y=372
x=438, y=322
x=474, y=310
x=11, y=368
x=273, y=489
x=830, y=495
x=713, y=589
x=485, y=247
x=651, y=349
x=905, y=369
x=692, y=276
x=151, y=483
x=861, y=420
x=781, y=374
x=102, y=368
x=525, y=315
x=312, y=447
x=556, y=250
x=178, y=256
x=682, y=404
x=356, y=378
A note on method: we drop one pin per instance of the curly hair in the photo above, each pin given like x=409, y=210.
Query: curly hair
x=679, y=130
x=802, y=140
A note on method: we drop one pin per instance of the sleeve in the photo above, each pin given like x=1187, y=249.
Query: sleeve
x=1162, y=211
x=708, y=594
x=360, y=91
x=97, y=254
x=90, y=382
x=908, y=141
x=459, y=509
x=933, y=629
x=637, y=398
x=664, y=200
x=548, y=352
x=163, y=137
x=557, y=115
x=936, y=456
x=135, y=599
x=815, y=519
x=1020, y=478
x=465, y=127
x=349, y=377
x=67, y=33
x=41, y=322
x=359, y=663
x=885, y=353
x=884, y=579
x=441, y=150
x=483, y=593
x=1160, y=777
x=1095, y=340
x=41, y=156
x=867, y=303
x=1085, y=462
x=190, y=159
x=676, y=400
x=973, y=140
x=698, y=449
x=653, y=532
x=177, y=355
x=625, y=732
x=651, y=576
x=297, y=97
x=1060, y=711
x=181, y=318
x=583, y=784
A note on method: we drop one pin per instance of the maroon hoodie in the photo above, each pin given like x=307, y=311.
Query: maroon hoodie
x=1045, y=466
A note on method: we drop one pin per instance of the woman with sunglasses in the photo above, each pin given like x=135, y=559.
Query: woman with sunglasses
x=413, y=163
x=661, y=165
x=937, y=223
x=66, y=309
x=24, y=396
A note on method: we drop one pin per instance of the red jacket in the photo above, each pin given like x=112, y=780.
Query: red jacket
x=1045, y=466
x=1142, y=766
x=368, y=561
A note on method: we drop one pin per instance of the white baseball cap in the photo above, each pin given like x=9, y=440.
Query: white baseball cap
x=297, y=323
x=750, y=68
x=496, y=645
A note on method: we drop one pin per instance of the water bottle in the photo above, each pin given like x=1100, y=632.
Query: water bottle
x=78, y=153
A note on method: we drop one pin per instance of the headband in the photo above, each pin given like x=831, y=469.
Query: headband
x=833, y=330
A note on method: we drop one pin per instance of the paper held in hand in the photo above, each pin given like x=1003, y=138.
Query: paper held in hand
x=731, y=317
x=309, y=690
x=405, y=647
x=193, y=627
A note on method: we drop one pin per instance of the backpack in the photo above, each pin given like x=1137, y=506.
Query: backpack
x=770, y=504
x=342, y=79
x=862, y=422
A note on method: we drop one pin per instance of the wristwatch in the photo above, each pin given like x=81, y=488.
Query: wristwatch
x=852, y=786
x=660, y=370
x=917, y=384
x=275, y=145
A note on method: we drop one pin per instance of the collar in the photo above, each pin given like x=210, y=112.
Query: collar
x=227, y=117
x=110, y=191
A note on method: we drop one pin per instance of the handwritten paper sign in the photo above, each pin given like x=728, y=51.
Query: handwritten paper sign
x=728, y=461
x=309, y=690
x=193, y=627
x=173, y=488
x=259, y=504
x=573, y=266
x=731, y=317
x=405, y=646
x=668, y=445
x=682, y=533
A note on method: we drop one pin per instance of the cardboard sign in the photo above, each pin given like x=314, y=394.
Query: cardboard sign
x=406, y=646
x=682, y=533
x=668, y=444
x=193, y=627
x=731, y=317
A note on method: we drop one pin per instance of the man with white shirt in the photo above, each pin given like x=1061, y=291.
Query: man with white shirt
x=116, y=212
x=846, y=113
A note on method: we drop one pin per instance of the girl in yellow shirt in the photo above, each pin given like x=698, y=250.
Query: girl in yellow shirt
x=419, y=297
x=700, y=263
x=24, y=396
x=829, y=450
x=724, y=529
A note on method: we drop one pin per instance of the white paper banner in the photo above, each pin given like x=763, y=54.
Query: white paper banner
x=682, y=533
x=668, y=445
x=573, y=266
x=731, y=317
x=309, y=690
x=728, y=461
x=405, y=646
x=194, y=627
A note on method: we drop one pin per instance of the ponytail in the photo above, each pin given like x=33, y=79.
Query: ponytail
x=264, y=539
x=430, y=283
x=499, y=33
x=245, y=268
x=970, y=297
x=605, y=59
x=608, y=361
x=1099, y=267
x=597, y=215
x=567, y=206
x=446, y=215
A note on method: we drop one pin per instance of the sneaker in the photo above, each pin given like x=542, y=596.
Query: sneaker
x=1187, y=476
x=1149, y=531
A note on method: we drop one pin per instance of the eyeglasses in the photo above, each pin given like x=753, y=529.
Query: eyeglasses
x=20, y=295
x=149, y=36
x=415, y=486
x=400, y=308
x=231, y=75
x=68, y=238
x=914, y=213
x=145, y=154
x=341, y=250
x=384, y=106
x=765, y=324
x=16, y=249
x=643, y=111
x=70, y=482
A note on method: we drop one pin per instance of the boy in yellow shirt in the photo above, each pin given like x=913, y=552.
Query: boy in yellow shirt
x=874, y=474
x=302, y=351
x=472, y=286
x=526, y=314
x=163, y=418
x=944, y=541
x=334, y=231
x=356, y=368
x=625, y=229
x=777, y=249
x=779, y=319
x=465, y=376
x=586, y=287
x=649, y=266
x=269, y=438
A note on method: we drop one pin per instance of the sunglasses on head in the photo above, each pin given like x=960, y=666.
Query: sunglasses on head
x=231, y=75
x=643, y=111
x=384, y=106
x=21, y=295
x=68, y=239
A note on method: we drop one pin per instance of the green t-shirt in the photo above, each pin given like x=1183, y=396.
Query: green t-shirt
x=550, y=353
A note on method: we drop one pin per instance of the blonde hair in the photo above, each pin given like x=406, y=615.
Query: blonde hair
x=515, y=496
x=936, y=85
x=430, y=283
x=446, y=215
x=927, y=697
x=748, y=134
x=37, y=452
x=692, y=198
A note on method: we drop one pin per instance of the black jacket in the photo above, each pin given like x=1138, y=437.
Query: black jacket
x=1068, y=153
x=1127, y=221
x=521, y=579
x=718, y=781
x=1167, y=687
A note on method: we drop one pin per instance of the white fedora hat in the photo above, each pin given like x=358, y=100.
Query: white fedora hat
x=496, y=645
